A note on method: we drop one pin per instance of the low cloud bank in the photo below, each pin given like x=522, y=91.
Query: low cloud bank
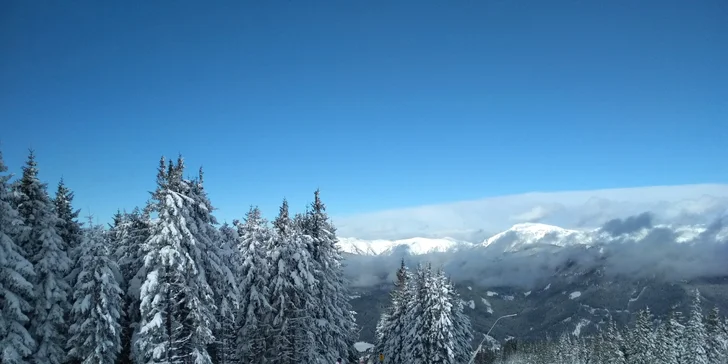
x=474, y=220
x=656, y=253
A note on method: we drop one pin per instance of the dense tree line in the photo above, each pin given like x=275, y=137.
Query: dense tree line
x=697, y=339
x=425, y=323
x=165, y=283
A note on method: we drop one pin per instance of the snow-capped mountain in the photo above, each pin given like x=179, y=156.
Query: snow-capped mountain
x=416, y=246
x=522, y=237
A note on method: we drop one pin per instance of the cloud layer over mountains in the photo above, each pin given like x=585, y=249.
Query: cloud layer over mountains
x=633, y=247
x=479, y=219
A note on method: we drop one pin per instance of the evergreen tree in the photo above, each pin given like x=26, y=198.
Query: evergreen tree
x=643, y=339
x=675, y=337
x=45, y=250
x=229, y=301
x=716, y=338
x=254, y=317
x=177, y=303
x=217, y=271
x=291, y=285
x=462, y=329
x=614, y=345
x=392, y=326
x=68, y=228
x=695, y=336
x=127, y=235
x=414, y=346
x=336, y=327
x=95, y=328
x=664, y=345
x=16, y=282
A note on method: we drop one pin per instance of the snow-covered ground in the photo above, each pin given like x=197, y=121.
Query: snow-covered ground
x=488, y=307
x=362, y=346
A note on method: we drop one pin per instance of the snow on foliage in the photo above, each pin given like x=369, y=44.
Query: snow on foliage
x=95, y=328
x=425, y=323
x=177, y=302
x=16, y=282
x=46, y=251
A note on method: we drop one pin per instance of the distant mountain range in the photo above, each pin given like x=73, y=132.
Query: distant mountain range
x=519, y=237
x=555, y=279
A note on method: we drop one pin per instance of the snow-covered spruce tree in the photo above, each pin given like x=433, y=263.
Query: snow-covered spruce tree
x=695, y=336
x=442, y=330
x=254, y=317
x=643, y=339
x=291, y=287
x=336, y=326
x=95, y=328
x=663, y=345
x=45, y=250
x=614, y=350
x=414, y=349
x=218, y=272
x=226, y=336
x=430, y=336
x=675, y=338
x=68, y=228
x=392, y=326
x=16, y=287
x=177, y=303
x=716, y=341
x=462, y=329
x=127, y=236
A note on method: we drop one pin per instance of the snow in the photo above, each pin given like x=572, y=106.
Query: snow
x=633, y=299
x=470, y=288
x=487, y=305
x=547, y=287
x=491, y=293
x=527, y=293
x=362, y=346
x=508, y=298
x=575, y=294
x=471, y=304
x=527, y=234
x=416, y=246
x=580, y=325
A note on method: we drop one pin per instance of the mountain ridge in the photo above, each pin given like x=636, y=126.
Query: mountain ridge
x=519, y=237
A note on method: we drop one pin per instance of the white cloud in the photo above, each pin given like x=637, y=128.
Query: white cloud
x=535, y=214
x=473, y=220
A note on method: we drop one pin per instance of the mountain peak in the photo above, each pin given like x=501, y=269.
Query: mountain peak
x=528, y=233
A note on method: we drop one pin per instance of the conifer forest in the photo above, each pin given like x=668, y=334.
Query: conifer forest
x=166, y=283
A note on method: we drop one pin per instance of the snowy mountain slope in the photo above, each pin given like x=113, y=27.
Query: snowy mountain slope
x=415, y=246
x=521, y=237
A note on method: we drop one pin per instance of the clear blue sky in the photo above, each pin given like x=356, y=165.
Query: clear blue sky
x=381, y=104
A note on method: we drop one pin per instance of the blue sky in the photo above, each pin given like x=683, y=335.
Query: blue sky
x=381, y=104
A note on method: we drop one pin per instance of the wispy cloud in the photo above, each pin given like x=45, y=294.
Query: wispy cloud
x=473, y=220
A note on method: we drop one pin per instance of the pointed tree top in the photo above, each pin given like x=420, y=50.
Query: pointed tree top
x=282, y=222
x=161, y=172
x=317, y=205
x=3, y=167
x=253, y=213
x=30, y=170
x=201, y=175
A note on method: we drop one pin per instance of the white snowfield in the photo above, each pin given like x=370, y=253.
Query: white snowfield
x=517, y=238
x=417, y=246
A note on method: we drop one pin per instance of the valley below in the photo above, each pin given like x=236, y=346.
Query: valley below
x=555, y=280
